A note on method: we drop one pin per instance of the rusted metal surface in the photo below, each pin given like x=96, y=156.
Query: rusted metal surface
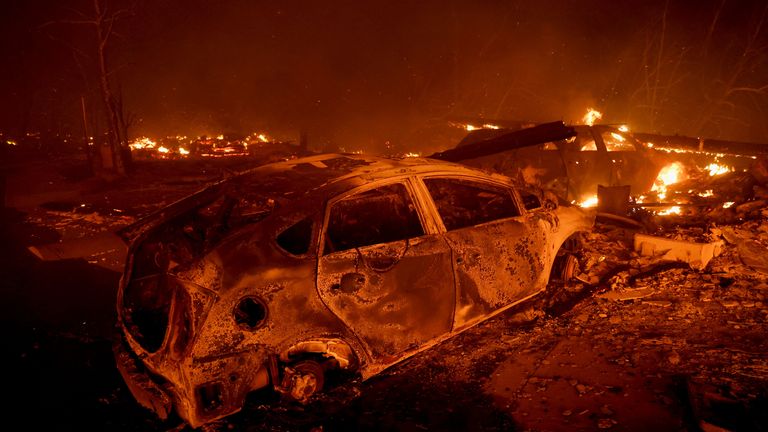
x=272, y=277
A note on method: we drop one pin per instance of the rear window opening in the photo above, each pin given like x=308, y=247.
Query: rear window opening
x=297, y=238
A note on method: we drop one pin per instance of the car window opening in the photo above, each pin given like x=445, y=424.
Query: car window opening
x=462, y=203
x=296, y=238
x=376, y=216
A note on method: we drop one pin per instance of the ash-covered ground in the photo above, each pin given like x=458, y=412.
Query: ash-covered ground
x=640, y=343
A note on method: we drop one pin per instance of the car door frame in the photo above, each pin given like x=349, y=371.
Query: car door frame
x=430, y=228
x=525, y=217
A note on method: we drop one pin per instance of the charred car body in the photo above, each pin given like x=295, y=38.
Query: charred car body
x=281, y=273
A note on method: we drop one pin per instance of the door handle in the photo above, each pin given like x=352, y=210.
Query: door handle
x=350, y=283
x=381, y=264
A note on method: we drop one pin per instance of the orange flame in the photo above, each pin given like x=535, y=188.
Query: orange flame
x=588, y=202
x=591, y=116
x=670, y=174
x=142, y=143
x=717, y=169
x=669, y=211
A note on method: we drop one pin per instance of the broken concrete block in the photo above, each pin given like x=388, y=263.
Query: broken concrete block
x=627, y=294
x=697, y=255
x=659, y=303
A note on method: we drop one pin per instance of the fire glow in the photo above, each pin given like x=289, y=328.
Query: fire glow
x=670, y=174
x=142, y=143
x=670, y=211
x=588, y=202
x=717, y=169
x=591, y=116
x=470, y=127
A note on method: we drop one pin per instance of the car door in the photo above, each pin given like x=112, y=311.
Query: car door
x=499, y=255
x=386, y=276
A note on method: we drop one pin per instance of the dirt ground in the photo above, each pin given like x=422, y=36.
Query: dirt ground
x=641, y=345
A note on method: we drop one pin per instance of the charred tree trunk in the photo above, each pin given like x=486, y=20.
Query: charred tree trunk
x=115, y=139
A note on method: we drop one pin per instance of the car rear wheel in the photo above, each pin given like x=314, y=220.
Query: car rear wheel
x=566, y=264
x=303, y=380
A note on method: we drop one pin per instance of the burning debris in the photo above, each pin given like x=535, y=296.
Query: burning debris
x=591, y=117
x=662, y=181
x=222, y=145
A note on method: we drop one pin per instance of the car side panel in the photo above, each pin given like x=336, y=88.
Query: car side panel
x=496, y=264
x=398, y=297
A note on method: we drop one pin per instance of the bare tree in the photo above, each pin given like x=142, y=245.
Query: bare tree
x=734, y=81
x=102, y=20
x=712, y=80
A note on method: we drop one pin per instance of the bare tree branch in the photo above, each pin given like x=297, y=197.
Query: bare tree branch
x=760, y=90
x=711, y=29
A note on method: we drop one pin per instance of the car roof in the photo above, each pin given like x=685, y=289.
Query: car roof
x=299, y=177
x=303, y=181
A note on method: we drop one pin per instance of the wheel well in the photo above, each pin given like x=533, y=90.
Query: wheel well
x=322, y=349
x=572, y=244
x=567, y=257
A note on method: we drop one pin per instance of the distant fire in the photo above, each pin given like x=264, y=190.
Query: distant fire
x=591, y=116
x=142, y=143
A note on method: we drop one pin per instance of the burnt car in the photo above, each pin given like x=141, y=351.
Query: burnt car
x=282, y=273
x=573, y=167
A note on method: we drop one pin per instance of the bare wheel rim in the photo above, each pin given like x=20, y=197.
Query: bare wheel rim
x=306, y=380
